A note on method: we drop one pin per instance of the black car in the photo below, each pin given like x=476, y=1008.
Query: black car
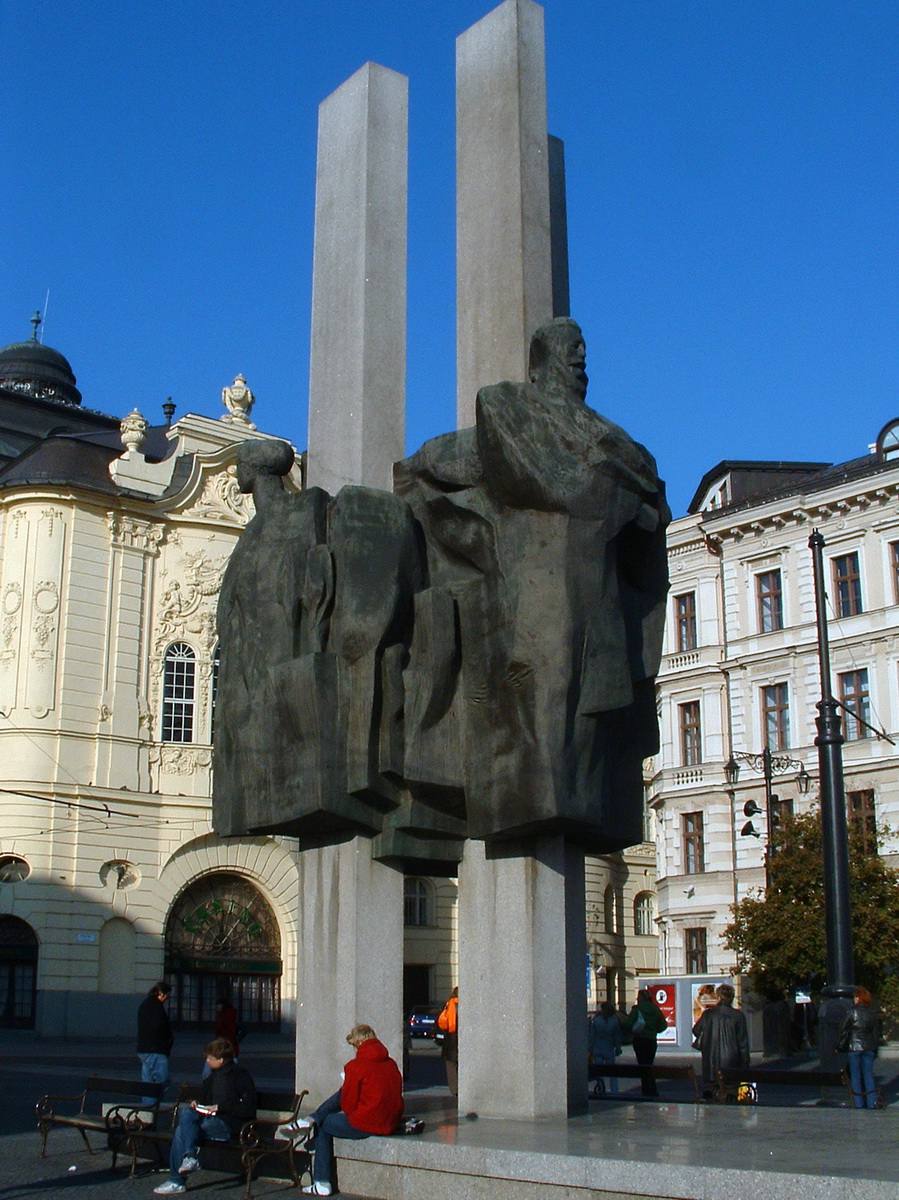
x=422, y=1020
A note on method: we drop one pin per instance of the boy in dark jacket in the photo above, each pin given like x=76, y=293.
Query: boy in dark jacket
x=370, y=1101
x=228, y=1102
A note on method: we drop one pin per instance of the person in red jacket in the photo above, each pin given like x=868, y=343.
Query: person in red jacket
x=370, y=1101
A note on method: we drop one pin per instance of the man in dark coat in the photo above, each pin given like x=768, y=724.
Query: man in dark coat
x=154, y=1035
x=723, y=1038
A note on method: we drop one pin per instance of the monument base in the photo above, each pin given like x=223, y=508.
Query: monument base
x=522, y=1007
x=350, y=960
x=641, y=1150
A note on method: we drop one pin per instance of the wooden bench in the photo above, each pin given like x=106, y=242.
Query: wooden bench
x=105, y=1106
x=635, y=1071
x=239, y=1156
x=730, y=1078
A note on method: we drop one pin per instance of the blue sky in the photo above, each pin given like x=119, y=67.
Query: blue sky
x=732, y=188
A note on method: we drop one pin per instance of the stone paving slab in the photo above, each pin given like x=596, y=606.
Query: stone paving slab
x=24, y=1174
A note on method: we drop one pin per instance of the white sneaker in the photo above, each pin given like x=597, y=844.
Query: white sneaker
x=291, y=1129
x=189, y=1164
x=317, y=1189
x=169, y=1188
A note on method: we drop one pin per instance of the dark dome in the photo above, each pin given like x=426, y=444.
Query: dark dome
x=38, y=370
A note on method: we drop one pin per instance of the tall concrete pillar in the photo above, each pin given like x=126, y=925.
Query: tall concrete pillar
x=522, y=997
x=357, y=371
x=504, y=286
x=350, y=959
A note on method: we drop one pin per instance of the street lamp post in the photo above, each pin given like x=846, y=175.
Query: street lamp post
x=769, y=764
x=833, y=804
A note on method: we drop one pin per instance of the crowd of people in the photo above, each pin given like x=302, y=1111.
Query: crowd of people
x=721, y=1035
x=370, y=1099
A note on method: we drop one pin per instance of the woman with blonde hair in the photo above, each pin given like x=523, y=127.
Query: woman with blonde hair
x=370, y=1102
x=859, y=1037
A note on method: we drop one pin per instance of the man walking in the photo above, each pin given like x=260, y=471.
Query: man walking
x=154, y=1035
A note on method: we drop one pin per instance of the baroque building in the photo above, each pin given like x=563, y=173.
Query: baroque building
x=740, y=674
x=114, y=535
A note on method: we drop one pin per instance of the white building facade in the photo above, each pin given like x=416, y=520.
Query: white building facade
x=740, y=673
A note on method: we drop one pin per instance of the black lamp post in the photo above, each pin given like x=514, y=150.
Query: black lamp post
x=833, y=804
x=769, y=764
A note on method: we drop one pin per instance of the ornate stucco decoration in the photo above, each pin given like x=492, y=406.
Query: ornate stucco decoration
x=222, y=499
x=188, y=604
x=11, y=607
x=134, y=533
x=134, y=431
x=238, y=400
x=45, y=603
x=181, y=760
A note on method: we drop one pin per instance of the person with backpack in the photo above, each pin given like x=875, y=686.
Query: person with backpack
x=645, y=1022
x=448, y=1021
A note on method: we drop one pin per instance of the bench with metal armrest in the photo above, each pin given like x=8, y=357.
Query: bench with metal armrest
x=257, y=1140
x=104, y=1106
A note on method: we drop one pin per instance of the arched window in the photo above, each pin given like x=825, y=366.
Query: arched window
x=18, y=974
x=644, y=914
x=610, y=906
x=222, y=940
x=416, y=902
x=179, y=689
x=214, y=688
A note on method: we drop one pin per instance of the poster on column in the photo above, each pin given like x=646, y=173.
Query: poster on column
x=665, y=995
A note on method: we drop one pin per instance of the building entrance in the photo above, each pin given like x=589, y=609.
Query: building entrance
x=222, y=940
x=18, y=974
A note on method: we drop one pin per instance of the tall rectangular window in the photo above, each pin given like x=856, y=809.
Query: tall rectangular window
x=697, y=953
x=690, y=733
x=863, y=818
x=694, y=848
x=847, y=585
x=776, y=716
x=854, y=694
x=685, y=621
x=894, y=569
x=769, y=597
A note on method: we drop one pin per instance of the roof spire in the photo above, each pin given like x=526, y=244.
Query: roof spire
x=36, y=321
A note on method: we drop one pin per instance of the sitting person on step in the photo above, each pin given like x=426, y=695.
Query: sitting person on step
x=228, y=1101
x=370, y=1102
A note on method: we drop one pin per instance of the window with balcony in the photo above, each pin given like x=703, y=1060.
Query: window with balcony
x=769, y=599
x=690, y=733
x=179, y=693
x=697, y=954
x=862, y=817
x=776, y=716
x=685, y=621
x=854, y=695
x=847, y=585
x=694, y=845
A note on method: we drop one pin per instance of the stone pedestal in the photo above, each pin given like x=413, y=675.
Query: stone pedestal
x=357, y=364
x=350, y=959
x=522, y=998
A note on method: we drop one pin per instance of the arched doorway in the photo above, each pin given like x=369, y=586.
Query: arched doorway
x=222, y=938
x=18, y=974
